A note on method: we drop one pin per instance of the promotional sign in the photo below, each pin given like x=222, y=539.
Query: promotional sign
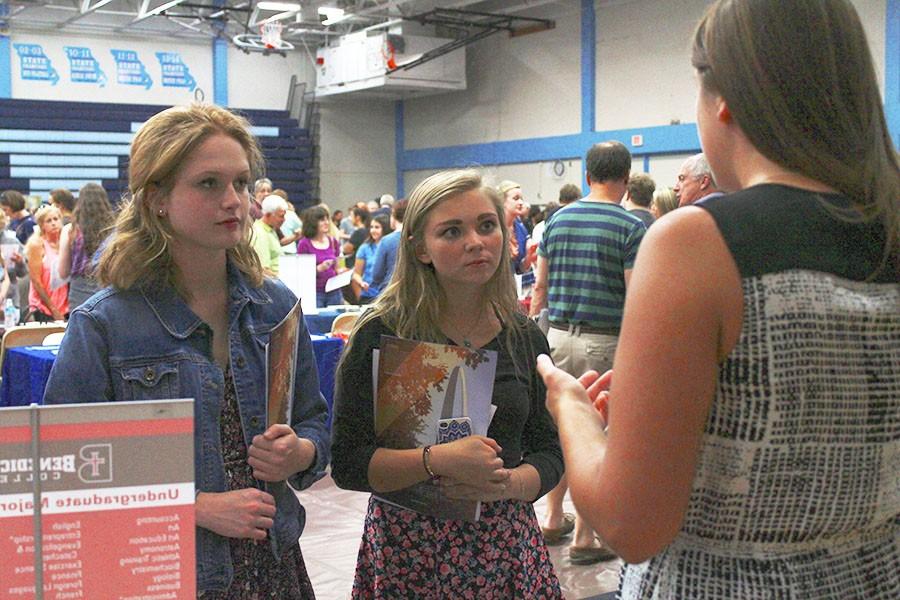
x=114, y=484
x=298, y=273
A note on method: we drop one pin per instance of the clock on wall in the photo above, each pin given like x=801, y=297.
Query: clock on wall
x=559, y=168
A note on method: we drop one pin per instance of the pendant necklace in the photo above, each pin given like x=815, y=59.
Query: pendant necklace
x=468, y=334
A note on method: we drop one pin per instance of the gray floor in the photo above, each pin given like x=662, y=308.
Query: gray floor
x=334, y=525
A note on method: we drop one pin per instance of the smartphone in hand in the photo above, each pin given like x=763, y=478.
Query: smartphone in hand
x=454, y=428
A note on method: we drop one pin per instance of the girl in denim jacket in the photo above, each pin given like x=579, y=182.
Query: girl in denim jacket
x=187, y=314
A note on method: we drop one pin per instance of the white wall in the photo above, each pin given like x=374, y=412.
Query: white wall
x=356, y=137
x=872, y=14
x=258, y=81
x=519, y=87
x=530, y=86
x=197, y=59
x=665, y=168
x=357, y=150
x=644, y=74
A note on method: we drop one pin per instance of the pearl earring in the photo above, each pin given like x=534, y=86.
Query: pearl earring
x=161, y=212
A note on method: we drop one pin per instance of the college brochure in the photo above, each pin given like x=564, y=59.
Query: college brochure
x=425, y=394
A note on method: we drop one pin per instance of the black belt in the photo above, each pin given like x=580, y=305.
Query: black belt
x=585, y=328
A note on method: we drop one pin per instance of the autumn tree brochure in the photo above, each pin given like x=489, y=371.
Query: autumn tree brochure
x=281, y=366
x=419, y=385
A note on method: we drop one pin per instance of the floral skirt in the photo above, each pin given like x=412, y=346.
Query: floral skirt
x=257, y=573
x=404, y=554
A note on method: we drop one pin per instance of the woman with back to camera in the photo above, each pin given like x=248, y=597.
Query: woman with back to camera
x=754, y=417
x=46, y=302
x=80, y=239
x=364, y=265
x=452, y=285
x=188, y=314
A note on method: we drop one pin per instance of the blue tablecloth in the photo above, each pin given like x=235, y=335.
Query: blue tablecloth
x=25, y=373
x=320, y=324
x=328, y=352
x=26, y=370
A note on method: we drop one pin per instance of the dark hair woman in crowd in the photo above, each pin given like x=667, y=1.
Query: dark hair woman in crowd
x=452, y=284
x=187, y=314
x=754, y=415
x=364, y=266
x=80, y=239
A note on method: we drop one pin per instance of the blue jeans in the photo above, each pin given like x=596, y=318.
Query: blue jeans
x=324, y=299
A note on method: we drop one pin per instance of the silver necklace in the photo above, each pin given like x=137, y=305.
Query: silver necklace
x=465, y=337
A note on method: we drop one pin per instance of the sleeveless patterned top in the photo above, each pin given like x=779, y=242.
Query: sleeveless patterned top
x=797, y=490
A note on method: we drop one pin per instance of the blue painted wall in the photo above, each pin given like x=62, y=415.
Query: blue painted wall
x=661, y=140
x=5, y=68
x=588, y=66
x=220, y=71
x=5, y=56
x=892, y=69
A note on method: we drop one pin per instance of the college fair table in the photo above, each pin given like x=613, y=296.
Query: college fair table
x=320, y=323
x=27, y=368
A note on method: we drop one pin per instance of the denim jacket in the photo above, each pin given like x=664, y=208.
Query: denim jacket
x=146, y=344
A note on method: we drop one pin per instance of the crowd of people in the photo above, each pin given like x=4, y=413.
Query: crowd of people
x=48, y=254
x=718, y=389
x=57, y=251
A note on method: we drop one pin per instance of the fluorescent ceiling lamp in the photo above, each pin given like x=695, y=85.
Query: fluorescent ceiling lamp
x=282, y=6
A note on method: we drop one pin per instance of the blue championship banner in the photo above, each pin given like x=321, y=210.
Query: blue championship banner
x=35, y=65
x=130, y=70
x=83, y=67
x=174, y=72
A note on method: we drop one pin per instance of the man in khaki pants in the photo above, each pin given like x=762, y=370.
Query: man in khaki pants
x=584, y=262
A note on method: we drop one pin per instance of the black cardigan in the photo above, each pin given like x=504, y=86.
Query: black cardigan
x=521, y=425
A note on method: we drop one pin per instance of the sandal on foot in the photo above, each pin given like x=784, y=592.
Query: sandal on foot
x=555, y=536
x=579, y=555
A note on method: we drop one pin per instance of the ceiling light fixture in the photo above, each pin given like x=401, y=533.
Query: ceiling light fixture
x=332, y=14
x=281, y=6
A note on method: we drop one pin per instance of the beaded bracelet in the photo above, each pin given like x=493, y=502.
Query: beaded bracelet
x=426, y=462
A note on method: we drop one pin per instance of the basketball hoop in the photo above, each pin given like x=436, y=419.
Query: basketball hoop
x=271, y=34
x=389, y=54
x=268, y=41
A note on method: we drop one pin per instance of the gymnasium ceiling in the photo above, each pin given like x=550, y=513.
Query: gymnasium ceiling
x=204, y=19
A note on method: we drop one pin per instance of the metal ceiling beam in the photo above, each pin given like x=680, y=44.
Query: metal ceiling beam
x=86, y=9
x=144, y=14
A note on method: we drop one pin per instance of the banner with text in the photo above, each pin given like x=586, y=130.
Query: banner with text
x=107, y=70
x=116, y=501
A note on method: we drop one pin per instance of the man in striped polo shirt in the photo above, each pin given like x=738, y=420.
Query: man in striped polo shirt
x=584, y=263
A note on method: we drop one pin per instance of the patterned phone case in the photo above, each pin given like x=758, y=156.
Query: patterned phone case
x=453, y=429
